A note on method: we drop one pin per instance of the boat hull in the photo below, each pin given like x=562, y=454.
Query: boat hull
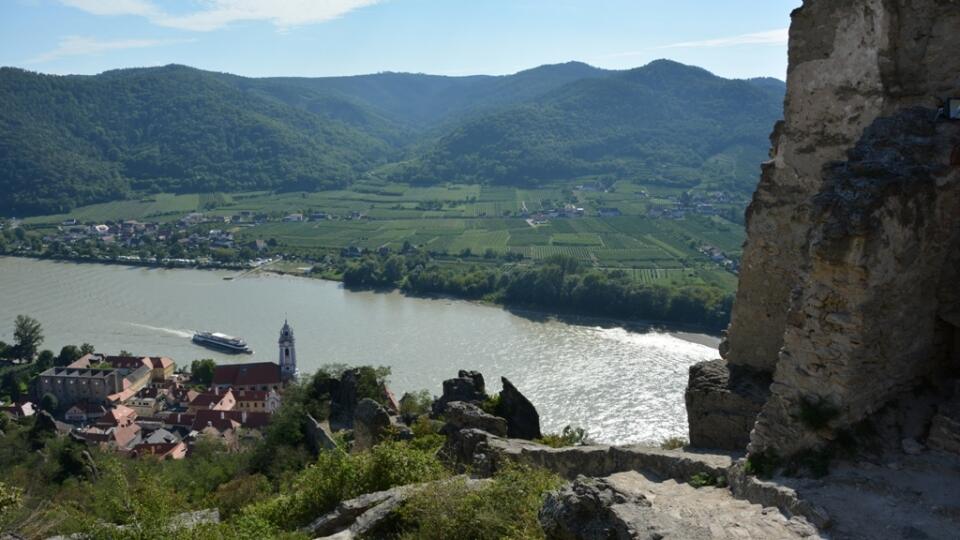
x=221, y=346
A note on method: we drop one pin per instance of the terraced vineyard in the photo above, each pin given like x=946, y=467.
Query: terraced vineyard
x=467, y=222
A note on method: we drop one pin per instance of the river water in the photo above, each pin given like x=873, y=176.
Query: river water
x=622, y=386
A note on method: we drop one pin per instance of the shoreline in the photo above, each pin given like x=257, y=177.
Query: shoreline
x=687, y=332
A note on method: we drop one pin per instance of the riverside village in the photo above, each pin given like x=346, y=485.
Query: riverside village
x=144, y=407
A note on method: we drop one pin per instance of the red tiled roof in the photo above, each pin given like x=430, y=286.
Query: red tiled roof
x=254, y=374
x=179, y=419
x=160, y=362
x=223, y=420
x=156, y=449
x=125, y=362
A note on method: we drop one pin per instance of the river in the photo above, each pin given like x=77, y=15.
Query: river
x=622, y=386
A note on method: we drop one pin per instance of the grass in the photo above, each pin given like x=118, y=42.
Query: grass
x=455, y=218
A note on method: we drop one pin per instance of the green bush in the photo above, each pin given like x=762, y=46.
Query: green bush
x=505, y=508
x=416, y=403
x=338, y=476
x=673, y=443
x=570, y=436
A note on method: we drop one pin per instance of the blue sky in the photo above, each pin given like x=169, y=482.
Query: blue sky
x=732, y=38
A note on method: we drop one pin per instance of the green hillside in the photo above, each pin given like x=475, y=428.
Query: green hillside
x=665, y=123
x=67, y=141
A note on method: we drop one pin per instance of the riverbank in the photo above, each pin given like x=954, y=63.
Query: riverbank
x=575, y=373
x=695, y=333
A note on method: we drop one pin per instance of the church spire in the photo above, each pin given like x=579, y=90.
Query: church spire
x=288, y=352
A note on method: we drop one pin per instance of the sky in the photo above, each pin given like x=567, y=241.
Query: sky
x=311, y=38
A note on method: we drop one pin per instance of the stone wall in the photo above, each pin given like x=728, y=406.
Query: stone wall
x=843, y=285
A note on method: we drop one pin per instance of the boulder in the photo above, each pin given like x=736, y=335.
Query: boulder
x=371, y=423
x=468, y=387
x=590, y=509
x=343, y=401
x=723, y=401
x=523, y=421
x=462, y=415
x=319, y=436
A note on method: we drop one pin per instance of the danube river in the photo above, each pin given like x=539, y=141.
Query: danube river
x=622, y=386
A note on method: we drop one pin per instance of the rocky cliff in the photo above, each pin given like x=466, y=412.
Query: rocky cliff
x=848, y=290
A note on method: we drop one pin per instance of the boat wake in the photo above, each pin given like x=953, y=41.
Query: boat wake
x=171, y=331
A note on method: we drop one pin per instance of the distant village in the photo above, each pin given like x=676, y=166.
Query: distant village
x=143, y=407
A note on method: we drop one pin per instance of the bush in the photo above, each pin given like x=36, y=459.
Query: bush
x=416, y=403
x=338, y=476
x=491, y=404
x=570, y=436
x=505, y=508
x=673, y=443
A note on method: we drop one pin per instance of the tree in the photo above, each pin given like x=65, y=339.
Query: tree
x=29, y=335
x=68, y=355
x=86, y=348
x=46, y=359
x=201, y=371
x=49, y=402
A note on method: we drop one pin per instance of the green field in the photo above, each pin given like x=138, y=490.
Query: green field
x=463, y=220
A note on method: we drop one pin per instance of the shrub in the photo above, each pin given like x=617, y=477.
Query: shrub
x=416, y=403
x=673, y=443
x=232, y=496
x=505, y=508
x=570, y=436
x=701, y=479
x=338, y=476
x=491, y=405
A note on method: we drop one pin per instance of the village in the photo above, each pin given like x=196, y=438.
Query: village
x=144, y=407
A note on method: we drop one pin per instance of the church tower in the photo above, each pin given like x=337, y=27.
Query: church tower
x=288, y=353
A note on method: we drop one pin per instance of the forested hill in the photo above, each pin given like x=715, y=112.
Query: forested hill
x=72, y=140
x=665, y=123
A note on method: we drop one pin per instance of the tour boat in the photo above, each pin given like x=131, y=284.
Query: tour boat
x=216, y=340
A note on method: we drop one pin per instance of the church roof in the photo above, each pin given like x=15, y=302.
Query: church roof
x=256, y=373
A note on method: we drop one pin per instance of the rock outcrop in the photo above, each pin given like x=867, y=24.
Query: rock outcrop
x=462, y=415
x=523, y=421
x=371, y=424
x=629, y=505
x=468, y=387
x=723, y=401
x=847, y=294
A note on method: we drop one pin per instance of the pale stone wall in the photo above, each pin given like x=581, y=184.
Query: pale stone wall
x=848, y=284
x=848, y=249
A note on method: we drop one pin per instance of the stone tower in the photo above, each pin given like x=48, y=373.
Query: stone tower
x=288, y=353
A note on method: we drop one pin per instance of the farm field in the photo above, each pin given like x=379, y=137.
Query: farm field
x=464, y=223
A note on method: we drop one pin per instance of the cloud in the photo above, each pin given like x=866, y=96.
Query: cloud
x=780, y=36
x=82, y=46
x=215, y=14
x=143, y=8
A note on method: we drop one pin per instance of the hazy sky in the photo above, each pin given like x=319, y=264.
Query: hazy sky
x=732, y=38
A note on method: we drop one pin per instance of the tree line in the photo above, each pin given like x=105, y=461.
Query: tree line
x=559, y=283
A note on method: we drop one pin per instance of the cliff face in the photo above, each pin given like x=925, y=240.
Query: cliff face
x=849, y=274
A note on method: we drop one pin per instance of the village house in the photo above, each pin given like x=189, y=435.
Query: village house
x=22, y=409
x=162, y=367
x=263, y=376
x=160, y=451
x=119, y=438
x=258, y=400
x=230, y=420
x=212, y=401
x=84, y=412
x=71, y=385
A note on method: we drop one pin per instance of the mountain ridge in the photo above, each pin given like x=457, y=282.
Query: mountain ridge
x=68, y=140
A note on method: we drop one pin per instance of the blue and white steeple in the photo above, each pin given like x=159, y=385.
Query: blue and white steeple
x=288, y=353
